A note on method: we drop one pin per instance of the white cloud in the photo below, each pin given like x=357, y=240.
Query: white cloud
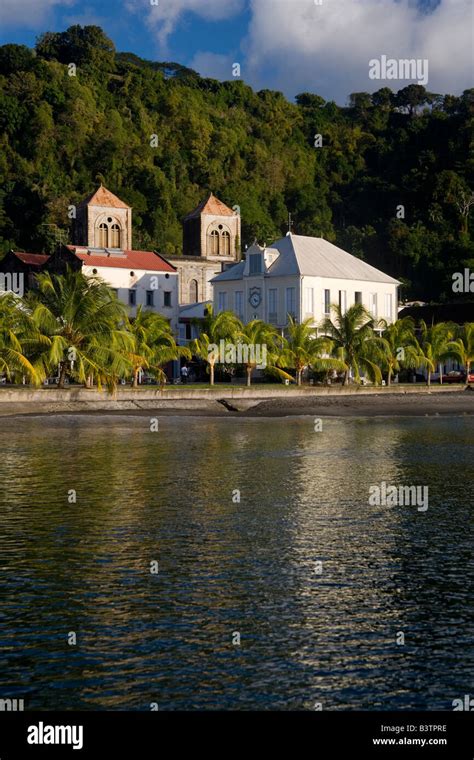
x=29, y=13
x=295, y=45
x=164, y=17
x=213, y=65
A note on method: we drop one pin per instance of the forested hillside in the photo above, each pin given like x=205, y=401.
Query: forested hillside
x=61, y=134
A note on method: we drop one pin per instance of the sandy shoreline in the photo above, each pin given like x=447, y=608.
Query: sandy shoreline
x=421, y=404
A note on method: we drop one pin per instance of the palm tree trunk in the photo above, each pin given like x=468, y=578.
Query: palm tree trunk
x=211, y=373
x=440, y=374
x=428, y=378
x=62, y=375
x=389, y=377
x=299, y=372
x=346, y=377
x=468, y=369
x=135, y=378
x=249, y=375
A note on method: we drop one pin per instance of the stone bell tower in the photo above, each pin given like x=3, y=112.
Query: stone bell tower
x=103, y=221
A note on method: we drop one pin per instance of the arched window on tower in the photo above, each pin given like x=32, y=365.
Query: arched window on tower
x=214, y=247
x=193, y=291
x=225, y=244
x=103, y=236
x=115, y=236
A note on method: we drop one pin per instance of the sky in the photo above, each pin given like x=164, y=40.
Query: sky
x=320, y=46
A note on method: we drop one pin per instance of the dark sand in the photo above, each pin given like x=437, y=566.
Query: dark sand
x=421, y=404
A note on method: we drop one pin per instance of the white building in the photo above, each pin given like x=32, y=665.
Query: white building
x=304, y=277
x=138, y=278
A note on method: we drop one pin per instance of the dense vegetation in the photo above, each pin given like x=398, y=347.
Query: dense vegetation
x=73, y=326
x=60, y=134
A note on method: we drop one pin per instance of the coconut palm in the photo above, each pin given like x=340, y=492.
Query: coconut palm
x=301, y=349
x=399, y=347
x=353, y=337
x=262, y=338
x=214, y=328
x=153, y=344
x=18, y=338
x=84, y=322
x=433, y=343
x=462, y=347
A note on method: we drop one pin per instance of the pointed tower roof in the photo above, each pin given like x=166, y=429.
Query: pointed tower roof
x=211, y=205
x=103, y=197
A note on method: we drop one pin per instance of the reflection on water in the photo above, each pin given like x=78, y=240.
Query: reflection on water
x=228, y=567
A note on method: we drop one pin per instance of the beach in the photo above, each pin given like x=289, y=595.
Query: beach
x=244, y=402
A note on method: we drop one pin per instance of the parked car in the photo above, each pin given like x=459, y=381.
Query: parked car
x=455, y=376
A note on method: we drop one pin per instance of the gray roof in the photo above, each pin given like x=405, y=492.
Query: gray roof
x=314, y=257
x=317, y=257
x=232, y=273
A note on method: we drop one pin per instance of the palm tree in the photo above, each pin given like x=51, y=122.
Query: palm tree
x=214, y=328
x=84, y=322
x=153, y=344
x=301, y=349
x=18, y=337
x=353, y=337
x=433, y=344
x=399, y=347
x=259, y=335
x=462, y=347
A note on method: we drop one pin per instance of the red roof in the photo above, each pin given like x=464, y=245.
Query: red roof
x=147, y=260
x=37, y=259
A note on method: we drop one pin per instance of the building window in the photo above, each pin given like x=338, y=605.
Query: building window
x=225, y=244
x=150, y=298
x=373, y=305
x=388, y=305
x=239, y=303
x=214, y=247
x=132, y=297
x=291, y=302
x=255, y=263
x=309, y=300
x=167, y=298
x=193, y=291
x=114, y=236
x=327, y=302
x=222, y=301
x=103, y=240
x=273, y=306
x=342, y=301
x=358, y=297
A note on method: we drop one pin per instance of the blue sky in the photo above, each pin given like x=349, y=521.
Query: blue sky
x=290, y=45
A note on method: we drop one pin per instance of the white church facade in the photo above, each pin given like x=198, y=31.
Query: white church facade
x=302, y=277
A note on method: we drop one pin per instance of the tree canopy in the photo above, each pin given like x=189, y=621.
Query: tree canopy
x=390, y=180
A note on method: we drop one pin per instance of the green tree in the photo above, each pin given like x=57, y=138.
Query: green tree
x=352, y=333
x=261, y=337
x=462, y=347
x=214, y=328
x=153, y=345
x=433, y=343
x=399, y=347
x=302, y=349
x=84, y=323
x=18, y=338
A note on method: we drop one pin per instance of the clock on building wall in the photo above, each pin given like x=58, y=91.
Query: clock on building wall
x=255, y=297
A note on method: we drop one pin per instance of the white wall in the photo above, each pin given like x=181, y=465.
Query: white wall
x=119, y=278
x=301, y=284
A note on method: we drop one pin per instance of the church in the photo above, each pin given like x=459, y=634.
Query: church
x=102, y=246
x=211, y=243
